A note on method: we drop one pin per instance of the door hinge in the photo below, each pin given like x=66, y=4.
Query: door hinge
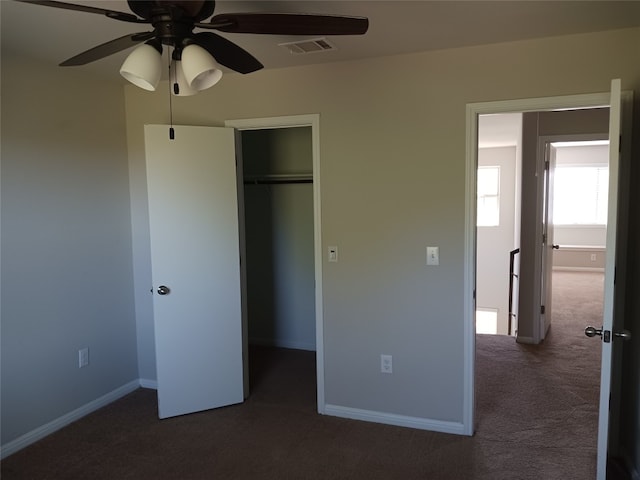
x=544, y=239
x=542, y=309
x=546, y=165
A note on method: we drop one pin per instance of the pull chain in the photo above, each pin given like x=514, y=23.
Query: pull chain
x=172, y=133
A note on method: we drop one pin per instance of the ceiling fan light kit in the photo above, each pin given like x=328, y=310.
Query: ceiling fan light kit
x=200, y=69
x=194, y=68
x=143, y=67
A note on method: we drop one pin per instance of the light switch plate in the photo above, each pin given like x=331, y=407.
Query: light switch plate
x=83, y=357
x=386, y=363
x=433, y=256
x=333, y=254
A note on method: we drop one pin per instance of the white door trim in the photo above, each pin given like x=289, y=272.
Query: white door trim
x=313, y=121
x=473, y=111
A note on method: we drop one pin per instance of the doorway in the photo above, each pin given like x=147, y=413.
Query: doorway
x=283, y=267
x=278, y=206
x=620, y=106
x=582, y=149
x=498, y=225
x=578, y=200
x=581, y=179
x=279, y=263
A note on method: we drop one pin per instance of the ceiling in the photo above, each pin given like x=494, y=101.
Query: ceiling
x=396, y=27
x=500, y=130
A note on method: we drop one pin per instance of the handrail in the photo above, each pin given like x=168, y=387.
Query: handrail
x=512, y=275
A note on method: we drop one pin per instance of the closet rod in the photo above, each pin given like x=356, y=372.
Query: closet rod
x=278, y=179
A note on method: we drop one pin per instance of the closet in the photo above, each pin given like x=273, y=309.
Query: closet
x=279, y=231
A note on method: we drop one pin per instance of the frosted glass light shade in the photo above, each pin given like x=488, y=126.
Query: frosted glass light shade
x=143, y=67
x=200, y=69
x=177, y=76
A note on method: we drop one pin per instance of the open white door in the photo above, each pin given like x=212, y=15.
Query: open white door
x=195, y=255
x=615, y=115
x=548, y=246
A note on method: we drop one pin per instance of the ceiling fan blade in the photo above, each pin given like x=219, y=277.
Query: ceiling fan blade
x=228, y=53
x=122, y=16
x=288, y=24
x=108, y=48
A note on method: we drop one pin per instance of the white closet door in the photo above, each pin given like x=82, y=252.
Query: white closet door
x=193, y=212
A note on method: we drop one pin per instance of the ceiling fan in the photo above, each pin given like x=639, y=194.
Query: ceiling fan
x=174, y=21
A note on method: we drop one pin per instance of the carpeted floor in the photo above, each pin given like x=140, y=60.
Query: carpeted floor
x=536, y=419
x=549, y=405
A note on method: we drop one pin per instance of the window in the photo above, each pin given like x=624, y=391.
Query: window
x=580, y=195
x=488, y=197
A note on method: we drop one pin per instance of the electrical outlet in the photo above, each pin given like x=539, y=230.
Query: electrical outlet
x=83, y=357
x=593, y=257
x=386, y=363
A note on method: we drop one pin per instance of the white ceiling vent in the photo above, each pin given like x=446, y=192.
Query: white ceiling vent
x=308, y=46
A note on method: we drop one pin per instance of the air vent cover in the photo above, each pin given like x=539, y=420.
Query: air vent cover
x=314, y=45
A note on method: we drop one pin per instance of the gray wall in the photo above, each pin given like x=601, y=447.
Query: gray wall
x=279, y=239
x=392, y=148
x=66, y=244
x=579, y=258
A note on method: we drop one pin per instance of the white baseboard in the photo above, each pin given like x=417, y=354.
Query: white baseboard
x=147, y=383
x=527, y=340
x=393, y=419
x=269, y=342
x=578, y=269
x=60, y=422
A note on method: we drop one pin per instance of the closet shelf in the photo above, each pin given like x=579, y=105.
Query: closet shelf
x=278, y=179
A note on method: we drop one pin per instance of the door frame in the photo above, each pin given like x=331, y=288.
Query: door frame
x=473, y=110
x=291, y=121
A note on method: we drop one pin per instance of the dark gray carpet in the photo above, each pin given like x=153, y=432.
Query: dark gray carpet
x=536, y=419
x=541, y=402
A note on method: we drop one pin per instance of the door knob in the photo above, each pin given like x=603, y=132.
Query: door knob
x=592, y=331
x=555, y=247
x=163, y=290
